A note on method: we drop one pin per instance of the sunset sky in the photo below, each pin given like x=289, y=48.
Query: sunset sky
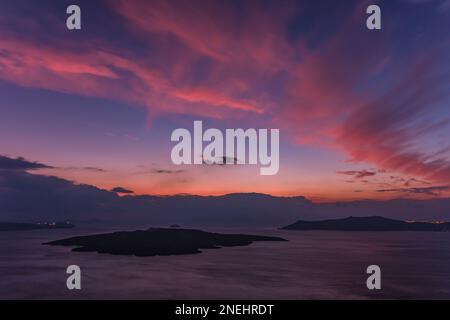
x=362, y=114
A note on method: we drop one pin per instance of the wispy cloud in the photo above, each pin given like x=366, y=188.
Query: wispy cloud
x=432, y=191
x=358, y=173
x=92, y=169
x=347, y=90
x=166, y=171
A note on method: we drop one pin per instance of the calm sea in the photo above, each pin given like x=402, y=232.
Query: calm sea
x=312, y=265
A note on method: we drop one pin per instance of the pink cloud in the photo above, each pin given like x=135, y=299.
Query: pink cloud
x=329, y=94
x=385, y=130
x=358, y=174
x=204, y=95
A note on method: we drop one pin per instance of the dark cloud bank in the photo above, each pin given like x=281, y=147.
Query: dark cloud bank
x=26, y=196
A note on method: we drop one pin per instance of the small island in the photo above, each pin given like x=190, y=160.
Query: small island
x=16, y=226
x=158, y=241
x=374, y=223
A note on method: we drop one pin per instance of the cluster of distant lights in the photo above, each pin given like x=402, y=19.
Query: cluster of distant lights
x=434, y=222
x=53, y=223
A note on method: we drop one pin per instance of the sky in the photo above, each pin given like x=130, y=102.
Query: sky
x=362, y=114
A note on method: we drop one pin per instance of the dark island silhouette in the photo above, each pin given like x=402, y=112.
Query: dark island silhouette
x=373, y=223
x=15, y=226
x=158, y=241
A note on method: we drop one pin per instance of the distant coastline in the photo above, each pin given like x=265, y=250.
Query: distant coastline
x=15, y=226
x=373, y=223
